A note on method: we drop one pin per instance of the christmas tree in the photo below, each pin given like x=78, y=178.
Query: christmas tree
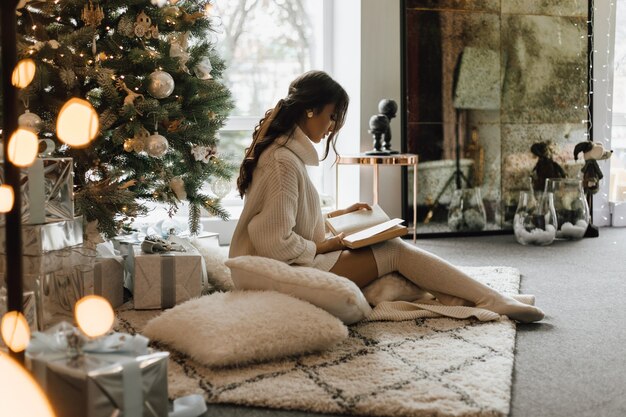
x=150, y=71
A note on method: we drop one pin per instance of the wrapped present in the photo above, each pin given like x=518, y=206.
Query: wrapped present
x=38, y=239
x=47, y=191
x=108, y=274
x=58, y=279
x=115, y=375
x=29, y=308
x=162, y=280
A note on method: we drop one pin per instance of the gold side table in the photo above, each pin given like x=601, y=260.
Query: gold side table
x=402, y=159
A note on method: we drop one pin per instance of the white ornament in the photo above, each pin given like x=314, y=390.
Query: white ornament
x=221, y=187
x=161, y=84
x=30, y=121
x=158, y=3
x=178, y=49
x=202, y=153
x=203, y=69
x=156, y=145
x=178, y=187
x=54, y=44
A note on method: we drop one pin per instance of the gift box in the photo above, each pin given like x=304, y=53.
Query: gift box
x=47, y=191
x=29, y=309
x=166, y=279
x=58, y=279
x=108, y=274
x=38, y=239
x=116, y=375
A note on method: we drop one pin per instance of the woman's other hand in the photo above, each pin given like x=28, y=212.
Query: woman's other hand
x=357, y=206
x=331, y=244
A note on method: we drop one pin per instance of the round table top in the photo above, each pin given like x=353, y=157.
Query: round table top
x=392, y=159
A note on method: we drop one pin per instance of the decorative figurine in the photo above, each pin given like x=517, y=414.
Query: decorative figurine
x=389, y=108
x=546, y=167
x=379, y=123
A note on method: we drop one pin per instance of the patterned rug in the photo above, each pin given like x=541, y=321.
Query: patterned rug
x=423, y=367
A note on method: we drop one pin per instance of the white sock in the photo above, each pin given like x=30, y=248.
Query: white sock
x=434, y=274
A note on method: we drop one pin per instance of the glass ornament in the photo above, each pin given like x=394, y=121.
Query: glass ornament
x=156, y=145
x=535, y=221
x=572, y=210
x=29, y=120
x=160, y=84
x=467, y=211
x=221, y=187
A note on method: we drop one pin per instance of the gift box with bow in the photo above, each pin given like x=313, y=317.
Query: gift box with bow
x=115, y=375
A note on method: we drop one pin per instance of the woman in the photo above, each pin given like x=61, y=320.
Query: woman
x=282, y=219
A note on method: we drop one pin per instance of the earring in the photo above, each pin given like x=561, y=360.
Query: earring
x=309, y=113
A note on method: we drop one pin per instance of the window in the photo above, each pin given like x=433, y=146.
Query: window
x=617, y=188
x=266, y=44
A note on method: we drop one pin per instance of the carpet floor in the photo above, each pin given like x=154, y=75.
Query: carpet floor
x=423, y=367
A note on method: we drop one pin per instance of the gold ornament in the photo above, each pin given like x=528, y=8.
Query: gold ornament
x=128, y=145
x=131, y=96
x=92, y=16
x=143, y=28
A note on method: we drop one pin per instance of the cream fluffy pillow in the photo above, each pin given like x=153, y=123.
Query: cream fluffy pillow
x=240, y=327
x=338, y=295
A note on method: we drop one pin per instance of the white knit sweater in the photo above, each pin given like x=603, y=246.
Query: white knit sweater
x=281, y=217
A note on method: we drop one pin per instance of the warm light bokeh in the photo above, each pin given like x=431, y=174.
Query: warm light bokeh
x=77, y=123
x=20, y=394
x=23, y=147
x=6, y=198
x=94, y=315
x=23, y=73
x=15, y=331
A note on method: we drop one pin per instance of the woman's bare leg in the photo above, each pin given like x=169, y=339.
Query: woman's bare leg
x=358, y=265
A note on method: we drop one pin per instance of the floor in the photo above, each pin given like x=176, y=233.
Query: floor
x=573, y=363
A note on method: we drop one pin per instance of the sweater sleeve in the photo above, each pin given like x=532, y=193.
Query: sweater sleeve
x=271, y=230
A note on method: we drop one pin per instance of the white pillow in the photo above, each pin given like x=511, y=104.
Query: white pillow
x=238, y=327
x=338, y=295
x=393, y=287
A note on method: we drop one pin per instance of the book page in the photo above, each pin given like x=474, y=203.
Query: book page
x=374, y=230
x=357, y=220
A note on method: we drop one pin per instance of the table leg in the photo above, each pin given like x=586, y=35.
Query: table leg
x=414, y=203
x=375, y=184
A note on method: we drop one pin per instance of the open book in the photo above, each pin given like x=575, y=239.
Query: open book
x=366, y=227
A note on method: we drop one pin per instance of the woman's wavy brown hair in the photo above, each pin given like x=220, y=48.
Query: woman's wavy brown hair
x=312, y=90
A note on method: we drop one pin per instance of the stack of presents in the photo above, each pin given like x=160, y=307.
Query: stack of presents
x=59, y=268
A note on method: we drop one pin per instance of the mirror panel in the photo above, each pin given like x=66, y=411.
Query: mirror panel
x=484, y=80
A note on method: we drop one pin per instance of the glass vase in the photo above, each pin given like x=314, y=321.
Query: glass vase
x=572, y=211
x=466, y=212
x=535, y=221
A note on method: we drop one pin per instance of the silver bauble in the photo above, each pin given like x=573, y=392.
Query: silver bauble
x=156, y=145
x=161, y=84
x=30, y=121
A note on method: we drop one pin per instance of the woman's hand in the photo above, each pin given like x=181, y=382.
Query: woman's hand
x=331, y=244
x=353, y=207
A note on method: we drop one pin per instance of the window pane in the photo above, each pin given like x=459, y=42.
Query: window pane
x=617, y=188
x=266, y=44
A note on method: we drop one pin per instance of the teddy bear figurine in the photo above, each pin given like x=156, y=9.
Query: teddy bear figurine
x=592, y=152
x=546, y=167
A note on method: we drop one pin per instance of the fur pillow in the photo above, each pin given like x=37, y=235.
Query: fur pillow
x=214, y=256
x=240, y=327
x=393, y=287
x=338, y=295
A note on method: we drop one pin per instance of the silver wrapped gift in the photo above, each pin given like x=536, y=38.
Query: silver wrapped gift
x=108, y=274
x=47, y=191
x=166, y=279
x=38, y=239
x=117, y=375
x=58, y=279
x=29, y=308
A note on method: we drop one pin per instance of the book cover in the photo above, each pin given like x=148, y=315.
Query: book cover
x=366, y=227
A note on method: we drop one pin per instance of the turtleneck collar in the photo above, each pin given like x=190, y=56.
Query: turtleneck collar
x=300, y=144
